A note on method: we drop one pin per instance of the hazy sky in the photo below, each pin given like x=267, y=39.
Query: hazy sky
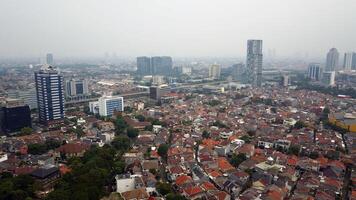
x=174, y=27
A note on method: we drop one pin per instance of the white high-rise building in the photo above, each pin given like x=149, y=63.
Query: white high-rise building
x=110, y=104
x=254, y=62
x=314, y=71
x=350, y=61
x=214, y=71
x=50, y=94
x=332, y=60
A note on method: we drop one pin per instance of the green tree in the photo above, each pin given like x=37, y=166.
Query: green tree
x=246, y=138
x=163, y=188
x=120, y=125
x=294, y=149
x=132, y=132
x=140, y=118
x=37, y=149
x=163, y=150
x=236, y=160
x=172, y=196
x=314, y=155
x=121, y=143
x=206, y=134
x=26, y=131
x=149, y=128
x=52, y=144
x=299, y=124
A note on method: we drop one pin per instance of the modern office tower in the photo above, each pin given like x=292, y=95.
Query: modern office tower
x=108, y=105
x=214, y=71
x=144, y=65
x=314, y=71
x=161, y=65
x=50, y=95
x=16, y=115
x=29, y=96
x=76, y=87
x=49, y=59
x=284, y=80
x=332, y=60
x=254, y=62
x=350, y=61
x=328, y=78
x=238, y=70
x=156, y=92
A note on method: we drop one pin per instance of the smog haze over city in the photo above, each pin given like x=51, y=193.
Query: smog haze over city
x=177, y=100
x=181, y=28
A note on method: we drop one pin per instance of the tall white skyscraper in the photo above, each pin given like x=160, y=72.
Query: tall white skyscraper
x=332, y=60
x=254, y=62
x=50, y=95
x=350, y=61
x=214, y=71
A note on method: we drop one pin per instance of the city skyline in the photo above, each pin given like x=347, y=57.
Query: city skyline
x=207, y=28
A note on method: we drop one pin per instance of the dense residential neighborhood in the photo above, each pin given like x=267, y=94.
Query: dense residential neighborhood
x=270, y=143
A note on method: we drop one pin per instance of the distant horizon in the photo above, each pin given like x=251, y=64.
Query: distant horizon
x=179, y=28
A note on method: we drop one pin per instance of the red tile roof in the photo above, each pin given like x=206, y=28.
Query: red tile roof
x=192, y=190
x=207, y=186
x=183, y=179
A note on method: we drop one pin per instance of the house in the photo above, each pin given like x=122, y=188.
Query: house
x=148, y=165
x=247, y=149
x=136, y=194
x=193, y=192
x=282, y=144
x=224, y=165
x=105, y=126
x=46, y=178
x=174, y=172
x=183, y=180
x=208, y=186
x=130, y=157
x=72, y=150
x=232, y=187
x=240, y=177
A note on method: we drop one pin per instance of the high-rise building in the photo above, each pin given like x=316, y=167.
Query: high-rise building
x=284, y=80
x=328, y=78
x=254, y=62
x=16, y=115
x=108, y=105
x=350, y=61
x=238, y=70
x=49, y=59
x=144, y=65
x=50, y=95
x=314, y=71
x=161, y=65
x=214, y=71
x=156, y=92
x=76, y=87
x=332, y=60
